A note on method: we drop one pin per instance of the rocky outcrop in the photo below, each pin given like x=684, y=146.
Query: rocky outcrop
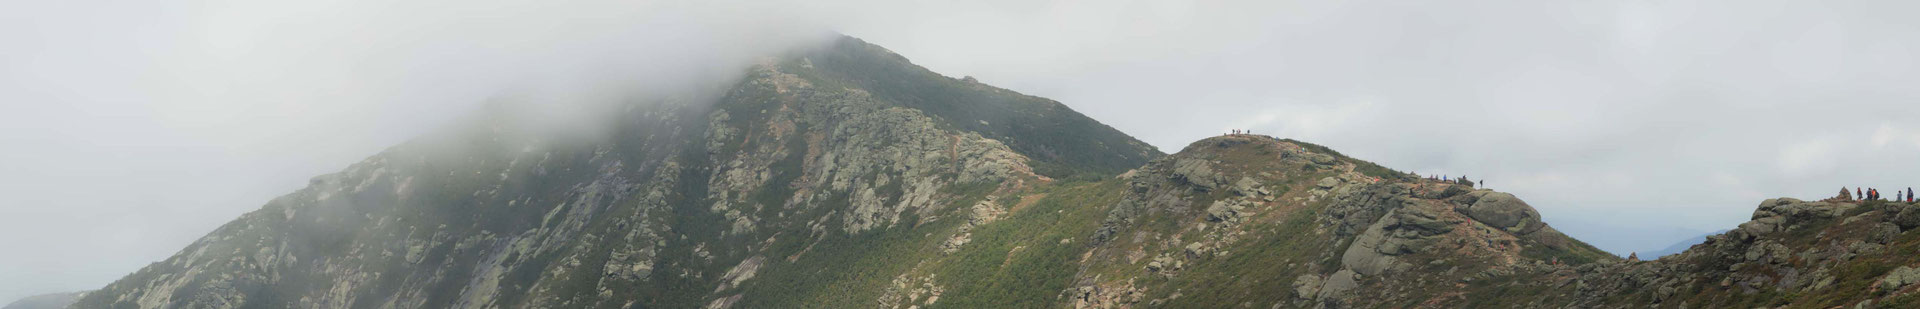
x=1198, y=173
x=982, y=213
x=1899, y=278
x=1382, y=238
x=1504, y=211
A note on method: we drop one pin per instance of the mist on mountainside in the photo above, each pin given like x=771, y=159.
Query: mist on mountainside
x=192, y=113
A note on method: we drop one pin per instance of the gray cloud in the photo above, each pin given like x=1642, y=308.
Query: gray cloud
x=132, y=130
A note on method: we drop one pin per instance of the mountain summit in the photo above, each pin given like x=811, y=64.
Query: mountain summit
x=844, y=176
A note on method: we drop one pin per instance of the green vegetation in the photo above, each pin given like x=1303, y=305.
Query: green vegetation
x=1362, y=166
x=1027, y=259
x=1259, y=271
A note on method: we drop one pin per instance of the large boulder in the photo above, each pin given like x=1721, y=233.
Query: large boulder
x=1762, y=226
x=1337, y=285
x=1908, y=217
x=1322, y=159
x=1248, y=187
x=1374, y=251
x=1306, y=286
x=1773, y=207
x=1504, y=211
x=1327, y=183
x=1199, y=173
x=1900, y=277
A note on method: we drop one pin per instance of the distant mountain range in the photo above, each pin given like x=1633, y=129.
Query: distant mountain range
x=45, y=301
x=1680, y=246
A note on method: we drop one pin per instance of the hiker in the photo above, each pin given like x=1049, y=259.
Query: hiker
x=1909, y=194
x=1859, y=193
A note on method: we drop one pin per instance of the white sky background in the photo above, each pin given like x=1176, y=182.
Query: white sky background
x=130, y=128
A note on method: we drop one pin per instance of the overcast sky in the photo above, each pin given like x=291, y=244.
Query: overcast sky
x=130, y=128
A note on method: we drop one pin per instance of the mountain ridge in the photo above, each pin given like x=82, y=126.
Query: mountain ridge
x=845, y=176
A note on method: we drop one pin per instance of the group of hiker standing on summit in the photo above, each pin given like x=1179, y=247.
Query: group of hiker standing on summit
x=1870, y=194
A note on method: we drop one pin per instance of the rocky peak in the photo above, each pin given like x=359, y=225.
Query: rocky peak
x=1062, y=142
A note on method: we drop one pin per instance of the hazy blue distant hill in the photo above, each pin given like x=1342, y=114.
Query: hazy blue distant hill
x=45, y=301
x=1680, y=246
